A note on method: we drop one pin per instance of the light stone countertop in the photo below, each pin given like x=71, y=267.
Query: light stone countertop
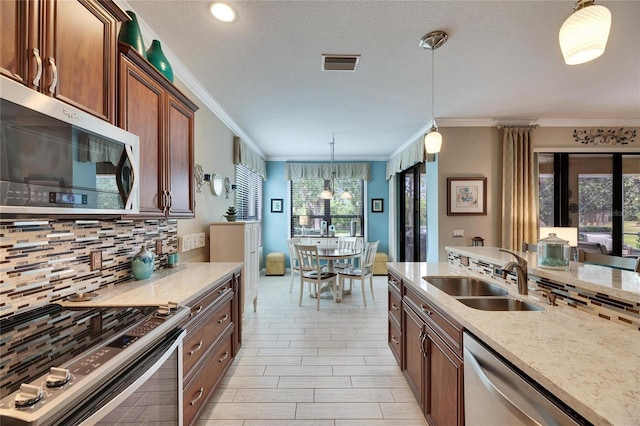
x=180, y=285
x=617, y=283
x=592, y=365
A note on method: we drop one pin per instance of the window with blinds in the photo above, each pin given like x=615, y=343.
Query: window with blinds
x=249, y=196
x=309, y=210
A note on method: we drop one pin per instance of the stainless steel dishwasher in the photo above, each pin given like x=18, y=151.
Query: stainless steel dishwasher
x=497, y=393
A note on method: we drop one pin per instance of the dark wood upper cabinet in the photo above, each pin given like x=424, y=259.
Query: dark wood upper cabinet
x=151, y=107
x=65, y=49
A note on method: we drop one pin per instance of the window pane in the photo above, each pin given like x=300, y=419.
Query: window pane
x=546, y=202
x=308, y=210
x=248, y=200
x=631, y=205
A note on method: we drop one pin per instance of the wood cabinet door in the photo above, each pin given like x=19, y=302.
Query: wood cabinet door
x=15, y=18
x=141, y=112
x=444, y=392
x=180, y=122
x=79, y=58
x=414, y=360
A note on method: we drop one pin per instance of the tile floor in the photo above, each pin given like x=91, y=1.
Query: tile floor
x=298, y=366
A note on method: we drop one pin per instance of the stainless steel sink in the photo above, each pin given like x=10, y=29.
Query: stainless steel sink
x=498, y=304
x=466, y=286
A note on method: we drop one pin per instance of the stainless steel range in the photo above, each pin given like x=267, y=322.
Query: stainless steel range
x=70, y=366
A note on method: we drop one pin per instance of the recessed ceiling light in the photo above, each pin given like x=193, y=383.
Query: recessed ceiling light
x=222, y=12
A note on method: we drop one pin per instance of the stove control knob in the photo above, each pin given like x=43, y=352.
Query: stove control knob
x=28, y=395
x=58, y=377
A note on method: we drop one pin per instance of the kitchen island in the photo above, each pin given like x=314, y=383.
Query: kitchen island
x=590, y=363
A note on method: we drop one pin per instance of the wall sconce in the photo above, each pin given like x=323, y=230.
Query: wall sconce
x=228, y=187
x=213, y=180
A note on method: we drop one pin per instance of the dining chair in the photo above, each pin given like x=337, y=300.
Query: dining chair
x=363, y=272
x=626, y=263
x=293, y=259
x=344, y=244
x=312, y=273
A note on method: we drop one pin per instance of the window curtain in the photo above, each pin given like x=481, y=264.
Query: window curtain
x=519, y=188
x=297, y=171
x=413, y=154
x=243, y=154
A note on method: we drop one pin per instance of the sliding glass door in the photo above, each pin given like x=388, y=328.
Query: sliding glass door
x=413, y=214
x=597, y=193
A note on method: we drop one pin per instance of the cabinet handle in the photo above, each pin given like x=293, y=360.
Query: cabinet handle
x=222, y=290
x=170, y=200
x=421, y=338
x=394, y=339
x=36, y=79
x=394, y=306
x=196, y=348
x=197, y=311
x=226, y=355
x=54, y=77
x=426, y=310
x=393, y=282
x=200, y=392
x=223, y=319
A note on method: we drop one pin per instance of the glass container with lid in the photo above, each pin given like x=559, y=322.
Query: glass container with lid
x=553, y=253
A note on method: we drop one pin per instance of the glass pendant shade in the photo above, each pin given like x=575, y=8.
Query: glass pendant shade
x=583, y=36
x=433, y=141
x=326, y=194
x=346, y=195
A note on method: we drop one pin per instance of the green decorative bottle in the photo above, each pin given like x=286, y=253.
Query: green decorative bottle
x=155, y=55
x=142, y=264
x=130, y=33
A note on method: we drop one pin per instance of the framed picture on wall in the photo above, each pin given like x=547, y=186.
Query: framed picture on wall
x=466, y=196
x=377, y=205
x=276, y=205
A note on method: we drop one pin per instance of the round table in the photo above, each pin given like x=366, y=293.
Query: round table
x=331, y=255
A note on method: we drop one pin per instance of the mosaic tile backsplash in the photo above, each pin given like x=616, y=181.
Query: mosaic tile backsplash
x=624, y=312
x=42, y=261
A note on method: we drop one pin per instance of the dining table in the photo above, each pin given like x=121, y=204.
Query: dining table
x=331, y=255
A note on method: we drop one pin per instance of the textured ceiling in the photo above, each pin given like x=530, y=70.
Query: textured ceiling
x=502, y=62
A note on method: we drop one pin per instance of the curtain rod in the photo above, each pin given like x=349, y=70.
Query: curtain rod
x=515, y=126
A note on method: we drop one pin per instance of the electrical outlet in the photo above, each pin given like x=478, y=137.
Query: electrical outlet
x=458, y=233
x=194, y=241
x=201, y=239
x=96, y=260
x=184, y=243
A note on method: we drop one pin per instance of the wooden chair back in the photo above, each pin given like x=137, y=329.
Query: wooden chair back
x=293, y=255
x=347, y=243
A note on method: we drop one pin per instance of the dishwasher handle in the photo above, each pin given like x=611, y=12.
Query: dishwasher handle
x=491, y=387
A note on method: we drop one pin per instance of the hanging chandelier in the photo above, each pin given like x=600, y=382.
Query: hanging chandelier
x=327, y=193
x=583, y=36
x=431, y=41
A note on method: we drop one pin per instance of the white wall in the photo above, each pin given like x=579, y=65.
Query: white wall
x=214, y=151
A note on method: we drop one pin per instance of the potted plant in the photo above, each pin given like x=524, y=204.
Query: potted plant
x=231, y=214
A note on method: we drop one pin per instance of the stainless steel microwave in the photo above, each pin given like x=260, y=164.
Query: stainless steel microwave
x=58, y=159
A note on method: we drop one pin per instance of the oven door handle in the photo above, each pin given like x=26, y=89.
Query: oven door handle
x=128, y=381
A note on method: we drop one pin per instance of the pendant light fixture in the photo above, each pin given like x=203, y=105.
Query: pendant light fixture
x=431, y=41
x=327, y=193
x=583, y=36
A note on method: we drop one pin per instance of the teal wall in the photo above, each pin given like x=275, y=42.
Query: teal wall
x=275, y=226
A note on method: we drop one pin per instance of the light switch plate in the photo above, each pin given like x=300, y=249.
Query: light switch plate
x=96, y=260
x=201, y=239
x=458, y=233
x=184, y=243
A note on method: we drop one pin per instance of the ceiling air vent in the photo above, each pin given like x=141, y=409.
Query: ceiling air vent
x=340, y=62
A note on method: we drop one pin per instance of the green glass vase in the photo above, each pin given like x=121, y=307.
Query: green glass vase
x=155, y=55
x=130, y=33
x=142, y=264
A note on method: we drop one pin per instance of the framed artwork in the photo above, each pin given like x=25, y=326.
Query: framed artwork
x=276, y=205
x=466, y=196
x=377, y=205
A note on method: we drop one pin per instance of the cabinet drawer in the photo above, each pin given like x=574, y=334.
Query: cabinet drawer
x=395, y=282
x=395, y=341
x=449, y=330
x=198, y=390
x=394, y=304
x=204, y=333
x=198, y=306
